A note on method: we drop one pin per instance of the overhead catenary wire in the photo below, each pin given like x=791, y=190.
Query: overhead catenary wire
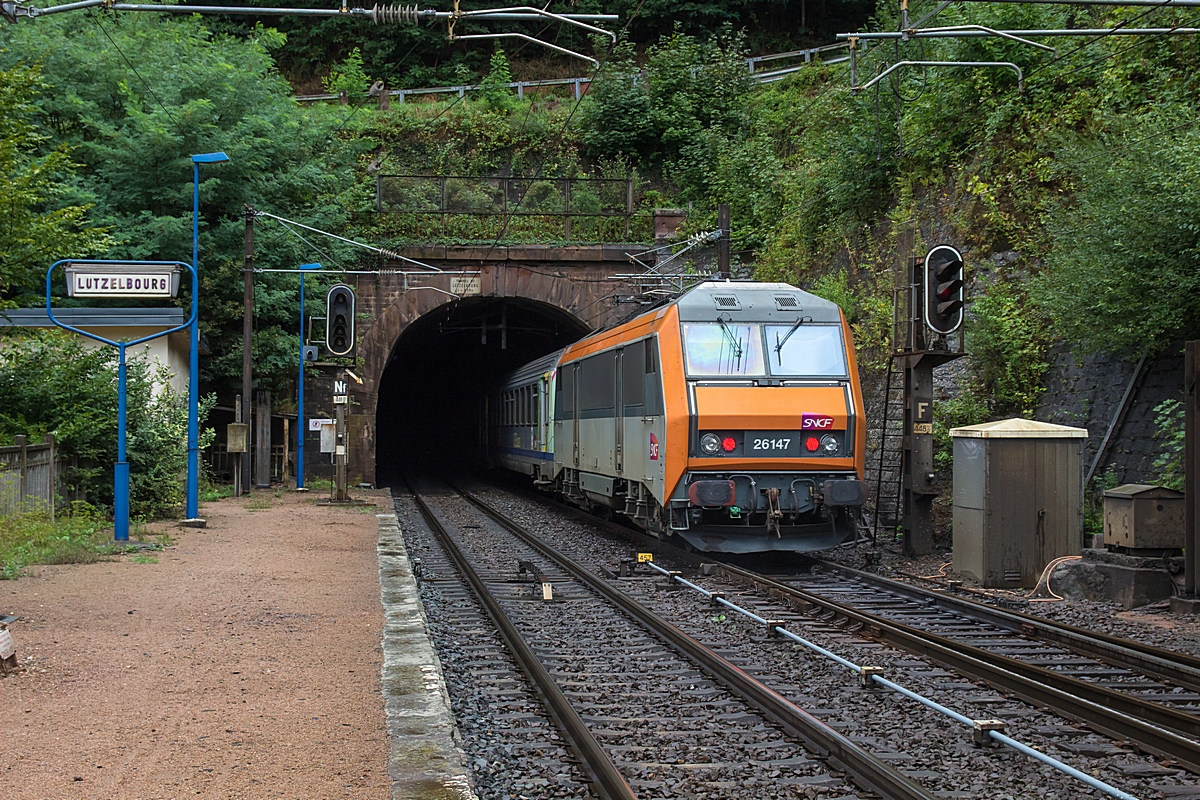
x=379, y=250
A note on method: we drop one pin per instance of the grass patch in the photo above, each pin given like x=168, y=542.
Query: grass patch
x=73, y=538
x=212, y=492
x=144, y=559
x=259, y=502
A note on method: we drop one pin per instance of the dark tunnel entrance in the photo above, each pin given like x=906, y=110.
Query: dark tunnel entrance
x=429, y=413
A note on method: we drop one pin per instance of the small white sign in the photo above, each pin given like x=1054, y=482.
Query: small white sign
x=466, y=285
x=328, y=437
x=339, y=387
x=7, y=647
x=315, y=424
x=339, y=400
x=340, y=451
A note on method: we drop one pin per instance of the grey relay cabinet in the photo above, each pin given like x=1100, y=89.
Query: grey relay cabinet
x=1017, y=499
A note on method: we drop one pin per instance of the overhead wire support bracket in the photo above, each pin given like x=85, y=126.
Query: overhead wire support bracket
x=565, y=51
x=915, y=33
x=973, y=31
x=569, y=19
x=899, y=64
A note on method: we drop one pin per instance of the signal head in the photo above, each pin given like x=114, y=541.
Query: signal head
x=944, y=276
x=339, y=326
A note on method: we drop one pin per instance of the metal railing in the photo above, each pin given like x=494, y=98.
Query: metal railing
x=571, y=200
x=581, y=84
x=28, y=477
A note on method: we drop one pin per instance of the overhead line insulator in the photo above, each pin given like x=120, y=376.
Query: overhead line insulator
x=394, y=14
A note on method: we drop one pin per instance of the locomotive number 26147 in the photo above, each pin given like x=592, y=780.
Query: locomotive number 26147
x=771, y=445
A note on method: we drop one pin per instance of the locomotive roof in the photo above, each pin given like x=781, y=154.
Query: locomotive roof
x=751, y=301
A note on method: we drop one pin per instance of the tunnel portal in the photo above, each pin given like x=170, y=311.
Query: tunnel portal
x=430, y=409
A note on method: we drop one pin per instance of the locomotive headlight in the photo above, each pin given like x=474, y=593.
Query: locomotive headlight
x=829, y=444
x=710, y=443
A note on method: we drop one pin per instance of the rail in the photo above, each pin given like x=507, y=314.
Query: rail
x=1177, y=668
x=868, y=674
x=1156, y=729
x=867, y=770
x=596, y=763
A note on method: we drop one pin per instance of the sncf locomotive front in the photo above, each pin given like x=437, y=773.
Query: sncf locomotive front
x=731, y=417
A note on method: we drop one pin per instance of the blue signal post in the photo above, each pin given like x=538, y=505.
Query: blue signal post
x=193, y=434
x=300, y=386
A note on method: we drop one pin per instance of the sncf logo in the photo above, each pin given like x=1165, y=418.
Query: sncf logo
x=816, y=422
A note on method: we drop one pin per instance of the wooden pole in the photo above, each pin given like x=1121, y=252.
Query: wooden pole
x=1191, y=456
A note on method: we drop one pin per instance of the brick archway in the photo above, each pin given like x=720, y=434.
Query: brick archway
x=574, y=282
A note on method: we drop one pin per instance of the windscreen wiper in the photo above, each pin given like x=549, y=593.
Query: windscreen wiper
x=737, y=346
x=780, y=343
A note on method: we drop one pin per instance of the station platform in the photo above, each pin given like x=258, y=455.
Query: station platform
x=426, y=762
x=241, y=660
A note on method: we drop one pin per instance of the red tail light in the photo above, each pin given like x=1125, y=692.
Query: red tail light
x=728, y=444
x=811, y=444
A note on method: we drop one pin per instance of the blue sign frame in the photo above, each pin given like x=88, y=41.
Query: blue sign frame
x=121, y=468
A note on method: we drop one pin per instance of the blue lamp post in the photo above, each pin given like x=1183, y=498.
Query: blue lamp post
x=300, y=386
x=193, y=465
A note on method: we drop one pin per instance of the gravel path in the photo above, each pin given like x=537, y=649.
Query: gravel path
x=244, y=664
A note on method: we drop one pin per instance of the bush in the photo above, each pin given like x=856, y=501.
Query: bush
x=50, y=382
x=1169, y=429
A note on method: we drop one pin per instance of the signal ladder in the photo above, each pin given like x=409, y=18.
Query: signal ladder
x=889, y=463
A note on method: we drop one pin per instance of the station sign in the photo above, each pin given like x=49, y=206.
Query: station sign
x=116, y=279
x=466, y=286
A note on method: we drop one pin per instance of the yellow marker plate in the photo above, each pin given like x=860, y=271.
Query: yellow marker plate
x=644, y=557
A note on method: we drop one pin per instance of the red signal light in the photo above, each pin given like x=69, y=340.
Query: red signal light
x=811, y=444
x=728, y=444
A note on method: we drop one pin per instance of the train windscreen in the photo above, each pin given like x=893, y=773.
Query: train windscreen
x=723, y=348
x=806, y=350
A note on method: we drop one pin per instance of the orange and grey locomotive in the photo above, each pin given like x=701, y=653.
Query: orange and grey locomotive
x=731, y=417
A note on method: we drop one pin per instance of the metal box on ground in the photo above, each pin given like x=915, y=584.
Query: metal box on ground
x=1141, y=517
x=1017, y=499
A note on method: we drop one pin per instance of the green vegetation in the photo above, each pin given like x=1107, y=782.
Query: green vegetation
x=74, y=538
x=1073, y=199
x=1169, y=424
x=50, y=382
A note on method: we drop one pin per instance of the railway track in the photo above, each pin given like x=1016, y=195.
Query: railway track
x=649, y=710
x=1072, y=685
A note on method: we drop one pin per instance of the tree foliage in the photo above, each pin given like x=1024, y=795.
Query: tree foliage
x=134, y=97
x=39, y=225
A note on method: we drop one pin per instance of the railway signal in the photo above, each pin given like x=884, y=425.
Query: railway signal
x=339, y=328
x=944, y=289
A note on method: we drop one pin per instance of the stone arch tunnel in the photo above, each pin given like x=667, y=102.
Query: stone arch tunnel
x=426, y=357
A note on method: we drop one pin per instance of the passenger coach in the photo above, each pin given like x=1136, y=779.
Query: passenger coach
x=731, y=417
